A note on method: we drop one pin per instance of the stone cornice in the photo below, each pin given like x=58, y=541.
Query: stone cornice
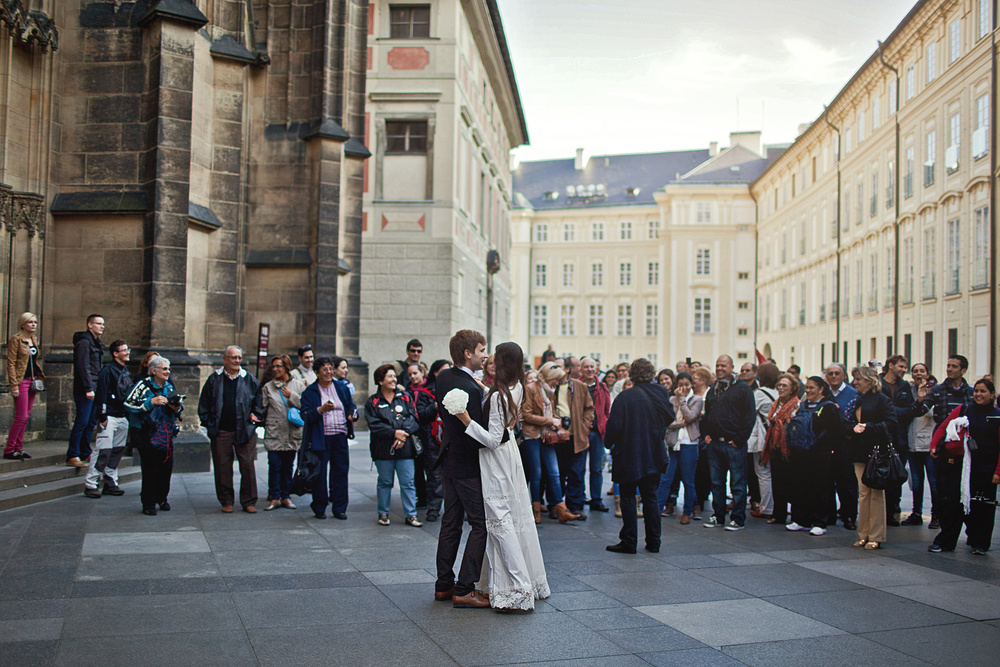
x=179, y=11
x=29, y=28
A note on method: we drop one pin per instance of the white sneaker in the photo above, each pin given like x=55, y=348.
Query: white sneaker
x=795, y=526
x=711, y=522
x=817, y=531
x=732, y=525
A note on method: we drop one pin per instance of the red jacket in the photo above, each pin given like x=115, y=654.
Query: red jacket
x=602, y=406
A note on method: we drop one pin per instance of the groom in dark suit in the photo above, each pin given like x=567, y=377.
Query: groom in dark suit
x=461, y=483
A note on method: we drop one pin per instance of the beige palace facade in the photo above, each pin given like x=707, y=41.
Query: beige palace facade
x=626, y=256
x=442, y=114
x=875, y=229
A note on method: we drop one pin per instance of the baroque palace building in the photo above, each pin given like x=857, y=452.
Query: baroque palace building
x=626, y=256
x=876, y=230
x=442, y=114
x=189, y=169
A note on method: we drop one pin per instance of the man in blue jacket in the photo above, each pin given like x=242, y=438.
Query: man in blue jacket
x=898, y=391
x=845, y=481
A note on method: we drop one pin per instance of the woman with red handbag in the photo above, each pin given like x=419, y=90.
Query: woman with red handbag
x=968, y=474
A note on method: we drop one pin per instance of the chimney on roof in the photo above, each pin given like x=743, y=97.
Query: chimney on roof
x=713, y=148
x=749, y=140
x=579, y=159
x=802, y=129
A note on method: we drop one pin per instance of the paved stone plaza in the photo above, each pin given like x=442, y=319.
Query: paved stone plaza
x=93, y=581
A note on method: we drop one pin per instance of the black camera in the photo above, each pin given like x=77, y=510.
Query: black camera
x=565, y=422
x=176, y=401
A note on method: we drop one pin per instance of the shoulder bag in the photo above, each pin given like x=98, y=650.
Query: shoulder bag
x=37, y=384
x=294, y=415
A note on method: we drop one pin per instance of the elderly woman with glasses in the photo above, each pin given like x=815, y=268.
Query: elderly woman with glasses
x=277, y=395
x=152, y=413
x=329, y=414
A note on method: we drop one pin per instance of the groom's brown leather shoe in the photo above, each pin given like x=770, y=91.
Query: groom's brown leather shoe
x=444, y=596
x=471, y=601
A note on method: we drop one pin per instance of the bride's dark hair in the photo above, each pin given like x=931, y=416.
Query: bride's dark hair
x=509, y=361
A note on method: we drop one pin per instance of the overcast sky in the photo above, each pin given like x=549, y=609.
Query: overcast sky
x=653, y=75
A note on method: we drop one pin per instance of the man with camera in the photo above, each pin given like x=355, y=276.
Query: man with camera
x=574, y=406
x=113, y=386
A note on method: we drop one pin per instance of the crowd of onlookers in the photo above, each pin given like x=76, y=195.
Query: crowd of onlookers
x=709, y=445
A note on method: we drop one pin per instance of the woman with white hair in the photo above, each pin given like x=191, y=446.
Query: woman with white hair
x=153, y=417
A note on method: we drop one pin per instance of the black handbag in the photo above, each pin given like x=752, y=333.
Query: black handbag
x=306, y=473
x=884, y=469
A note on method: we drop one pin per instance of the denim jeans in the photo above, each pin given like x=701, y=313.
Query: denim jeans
x=404, y=470
x=919, y=462
x=334, y=464
x=573, y=469
x=83, y=427
x=596, y=455
x=537, y=455
x=279, y=474
x=684, y=460
x=723, y=457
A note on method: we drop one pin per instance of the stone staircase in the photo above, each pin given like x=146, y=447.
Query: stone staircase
x=45, y=476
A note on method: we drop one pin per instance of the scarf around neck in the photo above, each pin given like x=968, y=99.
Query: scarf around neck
x=778, y=416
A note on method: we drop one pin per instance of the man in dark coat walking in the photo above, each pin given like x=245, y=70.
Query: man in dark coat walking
x=634, y=433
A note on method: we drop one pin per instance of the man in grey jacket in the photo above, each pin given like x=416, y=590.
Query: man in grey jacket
x=226, y=410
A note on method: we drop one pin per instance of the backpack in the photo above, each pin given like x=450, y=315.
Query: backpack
x=799, y=432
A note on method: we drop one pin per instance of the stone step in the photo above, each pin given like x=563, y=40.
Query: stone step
x=59, y=488
x=50, y=473
x=43, y=453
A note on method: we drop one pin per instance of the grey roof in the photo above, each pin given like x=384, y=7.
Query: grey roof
x=646, y=171
x=744, y=169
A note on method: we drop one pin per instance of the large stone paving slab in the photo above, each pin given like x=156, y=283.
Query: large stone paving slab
x=967, y=644
x=865, y=610
x=674, y=586
x=314, y=607
x=881, y=572
x=780, y=579
x=166, y=650
x=842, y=651
x=972, y=599
x=163, y=614
x=112, y=544
x=737, y=622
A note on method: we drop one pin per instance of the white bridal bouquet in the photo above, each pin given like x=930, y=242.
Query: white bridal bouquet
x=455, y=401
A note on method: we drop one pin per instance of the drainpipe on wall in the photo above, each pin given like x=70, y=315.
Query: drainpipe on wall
x=836, y=349
x=895, y=222
x=756, y=269
x=994, y=255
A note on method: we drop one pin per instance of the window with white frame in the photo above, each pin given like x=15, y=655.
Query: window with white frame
x=834, y=296
x=822, y=298
x=873, y=201
x=891, y=98
x=595, y=323
x=984, y=18
x=890, y=183
x=702, y=314
x=876, y=112
x=802, y=237
x=783, y=311
x=541, y=232
x=911, y=83
x=981, y=248
x=927, y=290
x=861, y=127
x=847, y=140
x=951, y=276
x=624, y=320
x=860, y=204
x=890, y=277
x=845, y=212
x=624, y=357
x=802, y=305
x=597, y=231
x=931, y=61
x=931, y=158
x=954, y=40
x=951, y=154
x=981, y=135
x=653, y=274
x=597, y=274
x=409, y=21
x=908, y=177
x=539, y=320
x=873, y=283
x=569, y=232
x=703, y=211
x=568, y=274
x=859, y=286
x=703, y=262
x=652, y=319
x=541, y=275
x=567, y=320
x=652, y=359
x=653, y=231
x=908, y=268
x=625, y=274
x=625, y=230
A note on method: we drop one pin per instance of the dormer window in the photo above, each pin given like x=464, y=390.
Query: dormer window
x=632, y=192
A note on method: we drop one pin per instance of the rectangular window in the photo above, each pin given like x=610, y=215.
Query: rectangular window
x=873, y=283
x=890, y=277
x=891, y=99
x=890, y=185
x=703, y=212
x=929, y=348
x=569, y=232
x=406, y=137
x=911, y=83
x=703, y=262
x=980, y=136
x=653, y=276
x=595, y=324
x=567, y=320
x=743, y=305
x=859, y=285
x=846, y=300
x=955, y=40
x=652, y=320
x=568, y=274
x=928, y=265
x=951, y=281
x=624, y=320
x=541, y=275
x=597, y=274
x=908, y=178
x=931, y=61
x=860, y=204
x=541, y=232
x=834, y=295
x=802, y=237
x=654, y=229
x=981, y=248
x=743, y=275
x=931, y=155
x=984, y=23
x=873, y=202
x=742, y=332
x=625, y=231
x=625, y=274
x=822, y=298
x=802, y=305
x=861, y=127
x=847, y=140
x=846, y=211
x=703, y=315
x=876, y=112
x=409, y=21
x=597, y=232
x=783, y=312
x=908, y=271
x=539, y=320
x=951, y=154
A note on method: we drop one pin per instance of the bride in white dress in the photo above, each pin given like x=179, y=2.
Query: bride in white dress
x=513, y=571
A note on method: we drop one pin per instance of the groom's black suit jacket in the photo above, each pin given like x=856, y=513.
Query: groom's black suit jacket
x=460, y=452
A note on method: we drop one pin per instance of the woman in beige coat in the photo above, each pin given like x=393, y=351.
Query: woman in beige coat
x=22, y=367
x=281, y=437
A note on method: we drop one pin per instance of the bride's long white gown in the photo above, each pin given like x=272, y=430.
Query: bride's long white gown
x=513, y=570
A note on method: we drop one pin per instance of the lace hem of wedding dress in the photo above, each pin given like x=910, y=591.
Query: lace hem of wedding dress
x=519, y=598
x=506, y=524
